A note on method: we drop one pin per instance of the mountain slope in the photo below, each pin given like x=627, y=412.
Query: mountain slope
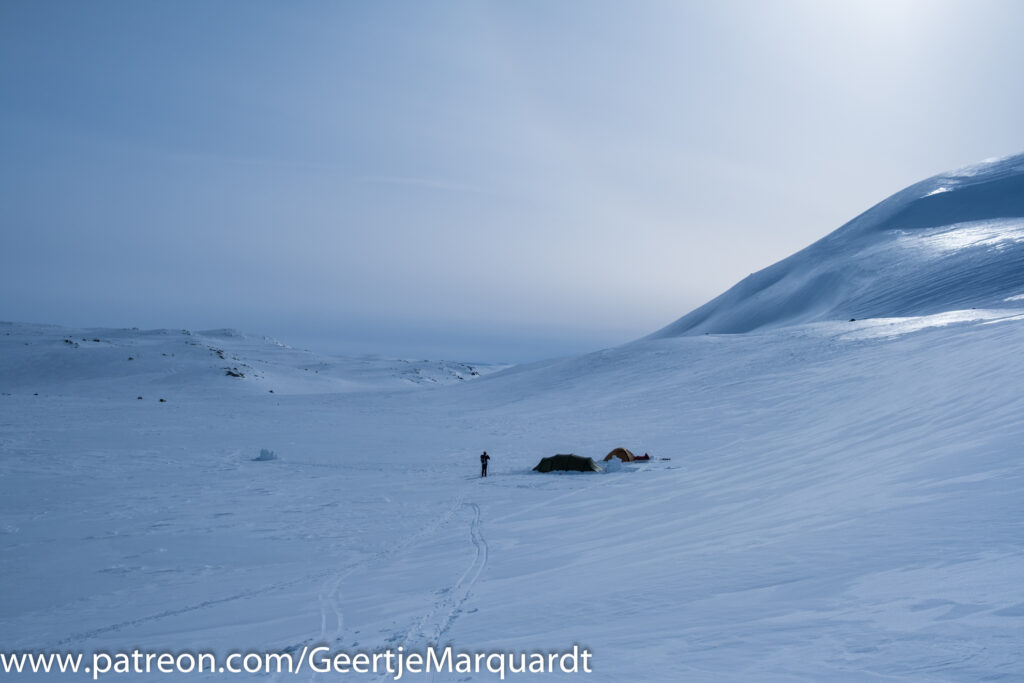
x=953, y=241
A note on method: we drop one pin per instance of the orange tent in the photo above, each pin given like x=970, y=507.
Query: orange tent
x=623, y=454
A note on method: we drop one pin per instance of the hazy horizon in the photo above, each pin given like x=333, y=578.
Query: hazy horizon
x=470, y=181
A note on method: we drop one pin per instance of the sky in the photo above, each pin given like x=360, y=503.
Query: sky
x=480, y=181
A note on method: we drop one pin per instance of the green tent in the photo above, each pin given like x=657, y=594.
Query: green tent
x=572, y=463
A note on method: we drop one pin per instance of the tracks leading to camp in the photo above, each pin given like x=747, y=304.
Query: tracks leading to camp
x=332, y=617
x=432, y=627
x=330, y=598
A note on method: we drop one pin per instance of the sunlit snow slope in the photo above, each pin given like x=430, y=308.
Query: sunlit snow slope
x=952, y=241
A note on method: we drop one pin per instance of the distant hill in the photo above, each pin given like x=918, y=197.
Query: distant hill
x=48, y=358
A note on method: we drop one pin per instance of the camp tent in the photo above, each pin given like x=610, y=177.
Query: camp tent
x=623, y=454
x=572, y=463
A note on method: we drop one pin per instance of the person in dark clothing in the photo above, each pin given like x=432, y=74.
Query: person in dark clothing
x=483, y=463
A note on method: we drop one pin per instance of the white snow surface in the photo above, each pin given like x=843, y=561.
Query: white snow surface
x=842, y=500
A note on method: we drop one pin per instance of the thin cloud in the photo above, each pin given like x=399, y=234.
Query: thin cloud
x=443, y=185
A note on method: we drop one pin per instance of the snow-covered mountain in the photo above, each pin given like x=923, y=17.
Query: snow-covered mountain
x=954, y=241
x=827, y=499
x=131, y=362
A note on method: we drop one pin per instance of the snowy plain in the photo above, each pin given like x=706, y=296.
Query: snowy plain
x=843, y=499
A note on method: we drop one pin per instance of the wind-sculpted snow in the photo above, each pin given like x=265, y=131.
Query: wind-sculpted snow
x=955, y=241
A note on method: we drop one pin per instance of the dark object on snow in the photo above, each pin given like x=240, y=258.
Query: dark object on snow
x=483, y=463
x=139, y=398
x=567, y=462
x=623, y=454
x=642, y=457
x=163, y=400
x=233, y=372
x=853, y=320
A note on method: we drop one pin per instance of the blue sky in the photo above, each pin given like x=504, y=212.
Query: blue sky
x=466, y=180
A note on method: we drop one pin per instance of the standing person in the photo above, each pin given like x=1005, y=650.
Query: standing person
x=483, y=463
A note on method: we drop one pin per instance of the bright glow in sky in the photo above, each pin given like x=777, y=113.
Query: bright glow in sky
x=464, y=180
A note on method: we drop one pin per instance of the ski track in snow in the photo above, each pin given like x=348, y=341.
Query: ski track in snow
x=435, y=623
x=332, y=617
x=432, y=626
x=332, y=630
x=79, y=638
x=331, y=600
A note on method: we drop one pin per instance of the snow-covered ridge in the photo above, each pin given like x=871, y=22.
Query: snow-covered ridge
x=951, y=242
x=154, y=363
